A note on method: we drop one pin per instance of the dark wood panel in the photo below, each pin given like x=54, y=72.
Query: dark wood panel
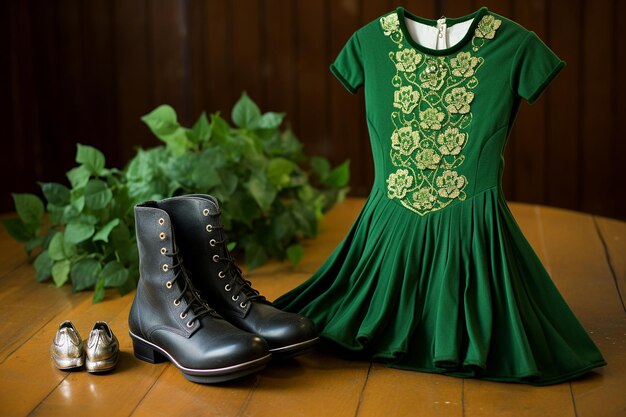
x=530, y=138
x=167, y=37
x=219, y=58
x=86, y=71
x=278, y=62
x=311, y=116
x=346, y=114
x=618, y=139
x=562, y=127
x=597, y=114
x=133, y=86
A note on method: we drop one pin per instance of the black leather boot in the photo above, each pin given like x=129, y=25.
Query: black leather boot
x=202, y=243
x=169, y=320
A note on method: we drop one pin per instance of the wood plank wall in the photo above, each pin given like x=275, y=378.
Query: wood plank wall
x=85, y=71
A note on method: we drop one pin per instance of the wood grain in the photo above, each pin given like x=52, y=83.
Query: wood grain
x=581, y=271
x=585, y=257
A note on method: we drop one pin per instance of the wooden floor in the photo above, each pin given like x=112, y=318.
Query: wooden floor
x=586, y=256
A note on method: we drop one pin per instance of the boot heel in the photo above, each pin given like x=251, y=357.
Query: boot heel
x=147, y=353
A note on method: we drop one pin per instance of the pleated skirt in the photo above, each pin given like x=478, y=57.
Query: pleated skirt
x=458, y=291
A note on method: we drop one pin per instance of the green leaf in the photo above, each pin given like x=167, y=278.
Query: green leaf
x=32, y=244
x=204, y=172
x=61, y=272
x=77, y=231
x=321, y=167
x=43, y=266
x=284, y=226
x=279, y=170
x=58, y=249
x=91, y=158
x=78, y=176
x=256, y=255
x=29, y=207
x=269, y=120
x=201, y=130
x=130, y=284
x=18, y=230
x=114, y=274
x=98, y=292
x=294, y=254
x=245, y=112
x=262, y=191
x=163, y=123
x=340, y=176
x=55, y=247
x=229, y=181
x=55, y=193
x=84, y=274
x=97, y=194
x=55, y=214
x=220, y=130
x=77, y=199
x=103, y=233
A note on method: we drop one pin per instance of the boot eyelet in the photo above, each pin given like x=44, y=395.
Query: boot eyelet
x=182, y=316
x=191, y=324
x=221, y=274
x=235, y=298
x=212, y=242
x=163, y=251
x=165, y=268
x=168, y=284
x=161, y=221
x=216, y=258
x=209, y=228
x=243, y=305
x=176, y=303
x=205, y=212
x=162, y=235
x=227, y=287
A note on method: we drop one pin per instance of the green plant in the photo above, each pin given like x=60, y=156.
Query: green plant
x=89, y=234
x=272, y=196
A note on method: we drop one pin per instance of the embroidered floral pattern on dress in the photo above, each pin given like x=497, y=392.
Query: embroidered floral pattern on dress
x=405, y=140
x=450, y=184
x=407, y=60
x=487, y=27
x=463, y=64
x=398, y=183
x=451, y=141
x=427, y=159
x=424, y=199
x=406, y=99
x=390, y=23
x=459, y=100
x=434, y=74
x=431, y=117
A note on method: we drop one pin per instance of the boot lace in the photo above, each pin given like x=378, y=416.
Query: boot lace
x=195, y=303
x=241, y=286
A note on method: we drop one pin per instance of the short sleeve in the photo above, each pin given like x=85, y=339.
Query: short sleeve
x=534, y=67
x=348, y=67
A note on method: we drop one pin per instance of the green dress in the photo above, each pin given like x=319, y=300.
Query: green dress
x=435, y=275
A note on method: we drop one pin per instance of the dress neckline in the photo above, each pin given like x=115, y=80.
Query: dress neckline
x=403, y=13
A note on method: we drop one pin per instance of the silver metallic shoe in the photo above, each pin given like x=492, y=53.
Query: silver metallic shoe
x=67, y=347
x=102, y=349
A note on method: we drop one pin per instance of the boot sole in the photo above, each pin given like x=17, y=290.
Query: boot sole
x=152, y=353
x=285, y=352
